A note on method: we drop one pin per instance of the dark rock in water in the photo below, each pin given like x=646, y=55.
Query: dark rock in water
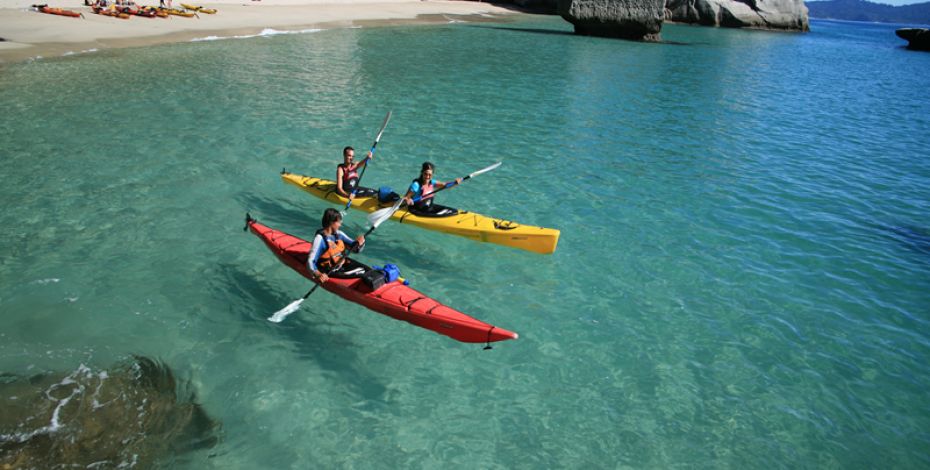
x=131, y=416
x=918, y=38
x=790, y=15
x=625, y=19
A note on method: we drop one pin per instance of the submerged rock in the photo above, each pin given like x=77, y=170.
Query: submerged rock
x=625, y=19
x=918, y=38
x=790, y=15
x=127, y=417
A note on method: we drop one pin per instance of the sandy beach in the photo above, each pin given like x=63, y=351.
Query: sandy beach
x=29, y=34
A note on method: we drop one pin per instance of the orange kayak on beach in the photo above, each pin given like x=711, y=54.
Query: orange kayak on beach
x=56, y=11
x=113, y=13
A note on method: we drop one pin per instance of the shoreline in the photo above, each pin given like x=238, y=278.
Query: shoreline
x=29, y=35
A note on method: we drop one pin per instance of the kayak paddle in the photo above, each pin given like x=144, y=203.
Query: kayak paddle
x=373, y=146
x=380, y=215
x=292, y=307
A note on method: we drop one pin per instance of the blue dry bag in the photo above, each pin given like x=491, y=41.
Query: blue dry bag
x=385, y=194
x=391, y=272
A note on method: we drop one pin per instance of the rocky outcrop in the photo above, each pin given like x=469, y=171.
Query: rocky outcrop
x=625, y=19
x=130, y=416
x=790, y=15
x=918, y=38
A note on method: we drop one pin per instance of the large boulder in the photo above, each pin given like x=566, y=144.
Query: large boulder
x=133, y=415
x=626, y=19
x=790, y=15
x=918, y=38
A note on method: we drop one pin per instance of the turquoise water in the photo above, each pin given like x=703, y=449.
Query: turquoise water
x=742, y=279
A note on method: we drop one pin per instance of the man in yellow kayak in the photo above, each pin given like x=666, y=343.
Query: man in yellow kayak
x=347, y=172
x=330, y=244
x=420, y=194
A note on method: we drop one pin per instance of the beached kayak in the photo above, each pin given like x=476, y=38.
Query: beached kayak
x=440, y=218
x=208, y=11
x=393, y=299
x=109, y=12
x=178, y=12
x=57, y=11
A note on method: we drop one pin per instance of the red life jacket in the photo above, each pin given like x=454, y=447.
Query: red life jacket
x=349, y=177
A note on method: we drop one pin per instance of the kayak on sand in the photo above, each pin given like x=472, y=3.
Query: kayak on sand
x=439, y=218
x=56, y=11
x=394, y=298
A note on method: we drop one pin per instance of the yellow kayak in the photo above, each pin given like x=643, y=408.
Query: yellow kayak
x=208, y=11
x=178, y=12
x=440, y=218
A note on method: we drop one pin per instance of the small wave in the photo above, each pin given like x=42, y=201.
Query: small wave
x=46, y=281
x=85, y=51
x=267, y=32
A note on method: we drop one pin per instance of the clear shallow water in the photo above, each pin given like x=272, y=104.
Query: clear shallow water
x=742, y=278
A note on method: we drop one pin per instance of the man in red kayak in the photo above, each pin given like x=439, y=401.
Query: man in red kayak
x=347, y=172
x=330, y=244
x=425, y=185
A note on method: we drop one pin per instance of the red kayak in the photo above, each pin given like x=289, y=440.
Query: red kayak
x=56, y=11
x=393, y=299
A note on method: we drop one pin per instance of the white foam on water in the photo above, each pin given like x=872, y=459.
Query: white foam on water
x=85, y=51
x=46, y=281
x=96, y=404
x=55, y=422
x=267, y=32
x=280, y=315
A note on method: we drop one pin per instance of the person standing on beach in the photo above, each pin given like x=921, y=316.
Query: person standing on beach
x=347, y=172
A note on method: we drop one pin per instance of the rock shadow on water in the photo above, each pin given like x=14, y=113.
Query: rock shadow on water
x=916, y=239
x=133, y=415
x=556, y=32
x=310, y=329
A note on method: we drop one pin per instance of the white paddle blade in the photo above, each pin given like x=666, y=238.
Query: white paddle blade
x=377, y=217
x=383, y=126
x=280, y=315
x=485, y=170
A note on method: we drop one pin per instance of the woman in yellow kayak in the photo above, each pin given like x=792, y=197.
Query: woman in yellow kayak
x=330, y=244
x=347, y=172
x=420, y=194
